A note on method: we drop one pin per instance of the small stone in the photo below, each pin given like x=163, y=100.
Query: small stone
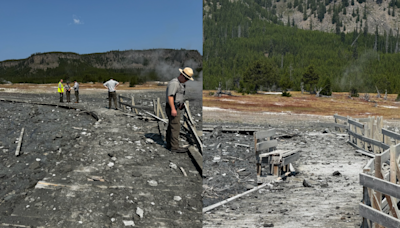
x=268, y=224
x=139, y=212
x=177, y=198
x=325, y=185
x=111, y=164
x=234, y=206
x=306, y=184
x=152, y=183
x=114, y=158
x=112, y=219
x=336, y=173
x=249, y=186
x=173, y=166
x=34, y=165
x=128, y=223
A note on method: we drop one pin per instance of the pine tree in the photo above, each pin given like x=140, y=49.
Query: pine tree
x=305, y=15
x=365, y=12
x=352, y=2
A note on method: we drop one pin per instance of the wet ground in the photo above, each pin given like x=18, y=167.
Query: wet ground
x=331, y=201
x=75, y=171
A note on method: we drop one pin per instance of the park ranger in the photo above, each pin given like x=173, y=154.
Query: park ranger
x=174, y=103
x=61, y=90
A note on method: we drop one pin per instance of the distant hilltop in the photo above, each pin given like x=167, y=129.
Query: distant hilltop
x=144, y=65
x=112, y=59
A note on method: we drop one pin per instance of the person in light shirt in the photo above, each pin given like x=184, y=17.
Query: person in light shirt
x=112, y=93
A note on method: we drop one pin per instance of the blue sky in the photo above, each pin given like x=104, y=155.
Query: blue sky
x=27, y=26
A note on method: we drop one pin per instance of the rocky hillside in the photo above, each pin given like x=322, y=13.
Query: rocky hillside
x=159, y=62
x=322, y=15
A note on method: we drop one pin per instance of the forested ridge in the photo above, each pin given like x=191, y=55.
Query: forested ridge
x=240, y=34
x=134, y=66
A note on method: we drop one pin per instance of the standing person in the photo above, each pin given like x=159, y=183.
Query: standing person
x=68, y=92
x=112, y=93
x=61, y=90
x=174, y=103
x=76, y=88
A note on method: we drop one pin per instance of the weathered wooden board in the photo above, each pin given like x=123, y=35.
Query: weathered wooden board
x=378, y=216
x=197, y=157
x=340, y=117
x=290, y=159
x=368, y=140
x=266, y=145
x=357, y=124
x=341, y=126
x=265, y=134
x=391, y=134
x=385, y=156
x=380, y=185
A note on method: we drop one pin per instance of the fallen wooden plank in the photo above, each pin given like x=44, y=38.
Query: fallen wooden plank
x=136, y=106
x=234, y=197
x=243, y=145
x=158, y=118
x=19, y=143
x=194, y=133
x=231, y=129
x=380, y=185
x=183, y=171
x=196, y=156
x=369, y=154
x=378, y=216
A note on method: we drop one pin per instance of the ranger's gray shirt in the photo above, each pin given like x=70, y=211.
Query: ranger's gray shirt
x=176, y=89
x=111, y=85
x=76, y=86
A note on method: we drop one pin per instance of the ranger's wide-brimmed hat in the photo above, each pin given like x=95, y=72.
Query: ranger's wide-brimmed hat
x=187, y=72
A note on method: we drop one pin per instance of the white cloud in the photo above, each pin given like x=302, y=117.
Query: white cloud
x=76, y=20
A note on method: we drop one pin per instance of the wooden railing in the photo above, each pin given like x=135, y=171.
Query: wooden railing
x=380, y=190
x=373, y=209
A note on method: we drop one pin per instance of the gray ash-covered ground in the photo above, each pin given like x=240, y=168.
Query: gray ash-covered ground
x=76, y=172
x=331, y=201
x=222, y=158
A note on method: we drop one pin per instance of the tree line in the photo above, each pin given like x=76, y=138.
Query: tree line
x=238, y=40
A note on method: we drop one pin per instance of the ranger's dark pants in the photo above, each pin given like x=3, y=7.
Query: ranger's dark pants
x=61, y=97
x=77, y=96
x=112, y=96
x=68, y=96
x=174, y=127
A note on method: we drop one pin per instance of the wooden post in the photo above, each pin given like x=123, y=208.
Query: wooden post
x=258, y=165
x=366, y=134
x=124, y=106
x=349, y=125
x=160, y=109
x=393, y=178
x=155, y=107
x=378, y=174
x=133, y=104
x=366, y=201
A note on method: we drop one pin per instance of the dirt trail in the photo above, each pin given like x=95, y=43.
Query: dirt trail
x=332, y=201
x=110, y=173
